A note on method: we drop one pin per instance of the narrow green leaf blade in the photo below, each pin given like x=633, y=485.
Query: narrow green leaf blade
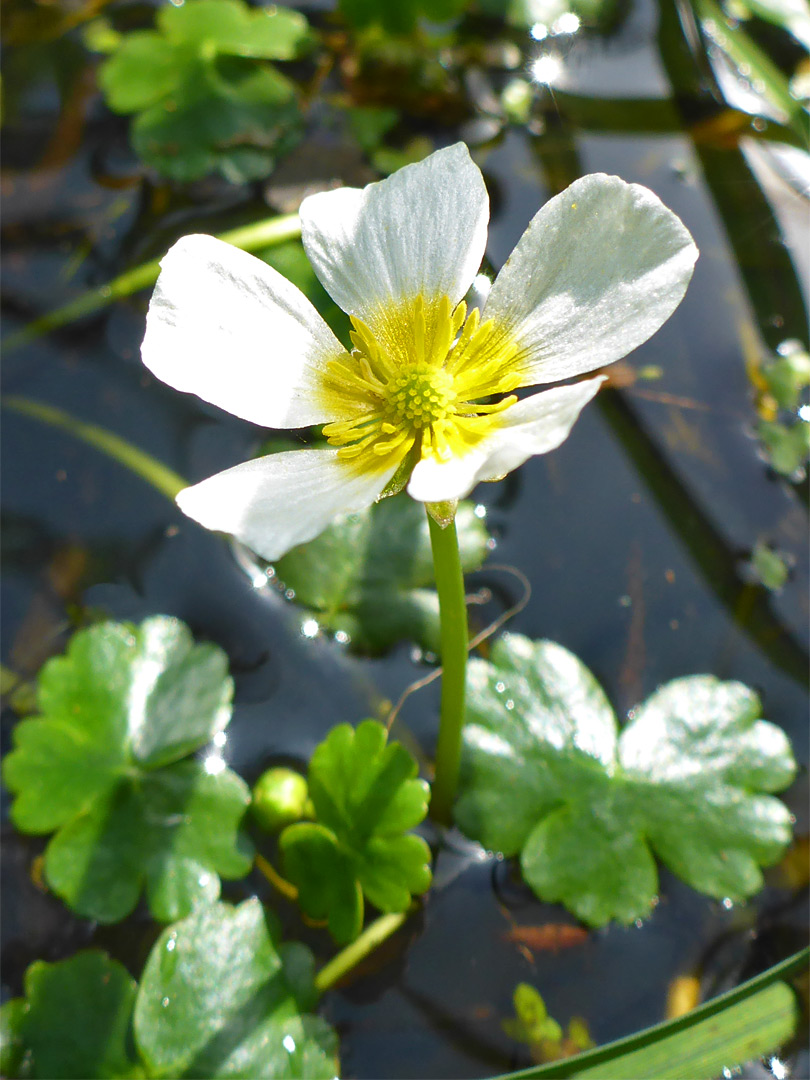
x=725, y=1032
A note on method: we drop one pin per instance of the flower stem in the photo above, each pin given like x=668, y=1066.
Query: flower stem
x=373, y=936
x=454, y=634
x=280, y=884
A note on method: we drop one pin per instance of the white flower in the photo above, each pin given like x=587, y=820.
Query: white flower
x=424, y=399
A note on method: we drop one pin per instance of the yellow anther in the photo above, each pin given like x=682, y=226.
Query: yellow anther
x=419, y=379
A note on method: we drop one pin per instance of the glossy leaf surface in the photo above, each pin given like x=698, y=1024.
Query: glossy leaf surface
x=101, y=764
x=366, y=797
x=545, y=774
x=219, y=998
x=75, y=1020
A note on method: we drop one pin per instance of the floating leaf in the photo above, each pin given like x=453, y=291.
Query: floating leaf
x=366, y=797
x=203, y=103
x=219, y=998
x=74, y=1022
x=546, y=775
x=231, y=27
x=370, y=574
x=101, y=765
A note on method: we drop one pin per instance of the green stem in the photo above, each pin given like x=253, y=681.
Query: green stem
x=144, y=465
x=372, y=937
x=454, y=636
x=249, y=237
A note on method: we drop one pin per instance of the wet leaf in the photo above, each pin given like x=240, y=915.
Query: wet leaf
x=371, y=574
x=101, y=763
x=791, y=15
x=229, y=26
x=203, y=103
x=219, y=998
x=366, y=797
x=74, y=1021
x=545, y=774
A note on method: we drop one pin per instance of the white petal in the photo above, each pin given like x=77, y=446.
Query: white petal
x=533, y=426
x=227, y=327
x=422, y=231
x=596, y=273
x=275, y=502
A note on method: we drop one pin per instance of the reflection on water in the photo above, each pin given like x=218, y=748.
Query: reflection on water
x=652, y=499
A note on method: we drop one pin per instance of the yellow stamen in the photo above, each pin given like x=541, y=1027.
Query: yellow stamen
x=419, y=379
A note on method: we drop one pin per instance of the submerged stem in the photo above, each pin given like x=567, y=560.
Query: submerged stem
x=144, y=465
x=249, y=237
x=373, y=936
x=454, y=635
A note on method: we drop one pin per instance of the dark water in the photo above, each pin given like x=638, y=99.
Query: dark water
x=634, y=535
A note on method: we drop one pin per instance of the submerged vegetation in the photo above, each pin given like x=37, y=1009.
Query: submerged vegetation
x=247, y=829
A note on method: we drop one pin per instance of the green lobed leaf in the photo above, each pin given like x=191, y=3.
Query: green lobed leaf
x=366, y=796
x=218, y=998
x=371, y=574
x=545, y=775
x=75, y=1021
x=174, y=833
x=230, y=26
x=202, y=102
x=100, y=764
x=142, y=71
x=234, y=117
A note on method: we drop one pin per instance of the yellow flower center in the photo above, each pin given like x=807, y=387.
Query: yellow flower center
x=415, y=385
x=420, y=395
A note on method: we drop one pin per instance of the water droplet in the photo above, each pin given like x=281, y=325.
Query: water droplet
x=288, y=1042
x=171, y=944
x=309, y=628
x=480, y=511
x=220, y=739
x=509, y=704
x=203, y=880
x=214, y=764
x=342, y=638
x=727, y=903
x=165, y=1003
x=290, y=594
x=500, y=687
